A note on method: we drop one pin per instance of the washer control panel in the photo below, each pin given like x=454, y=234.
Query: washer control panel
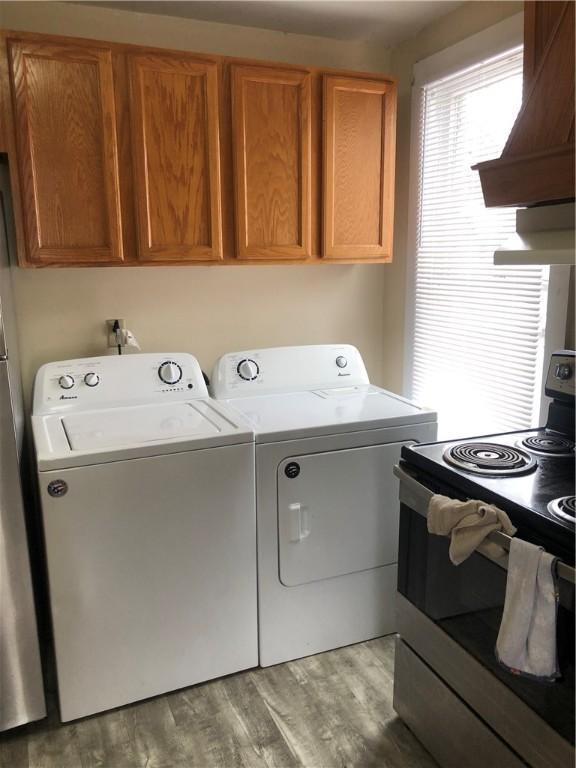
x=101, y=382
x=287, y=369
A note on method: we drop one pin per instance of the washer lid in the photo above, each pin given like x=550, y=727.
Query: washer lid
x=116, y=434
x=327, y=412
x=136, y=425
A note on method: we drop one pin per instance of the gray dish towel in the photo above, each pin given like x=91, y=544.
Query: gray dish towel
x=467, y=523
x=527, y=639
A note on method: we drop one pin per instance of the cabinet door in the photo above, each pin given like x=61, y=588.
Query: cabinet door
x=175, y=137
x=359, y=146
x=271, y=116
x=68, y=152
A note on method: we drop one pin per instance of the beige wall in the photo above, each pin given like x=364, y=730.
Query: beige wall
x=61, y=18
x=212, y=310
x=207, y=311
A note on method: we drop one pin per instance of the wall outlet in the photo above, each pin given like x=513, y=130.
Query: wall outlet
x=112, y=340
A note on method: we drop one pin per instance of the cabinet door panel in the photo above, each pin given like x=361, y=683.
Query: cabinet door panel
x=67, y=151
x=359, y=142
x=175, y=129
x=272, y=129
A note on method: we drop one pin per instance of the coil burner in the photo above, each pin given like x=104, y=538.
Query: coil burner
x=490, y=459
x=564, y=508
x=548, y=444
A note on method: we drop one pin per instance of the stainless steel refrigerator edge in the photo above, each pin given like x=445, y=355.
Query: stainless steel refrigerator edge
x=21, y=685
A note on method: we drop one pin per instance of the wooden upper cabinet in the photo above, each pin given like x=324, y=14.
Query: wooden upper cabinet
x=359, y=146
x=176, y=155
x=128, y=155
x=66, y=134
x=271, y=126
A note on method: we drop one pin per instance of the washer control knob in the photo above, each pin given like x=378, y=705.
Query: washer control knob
x=563, y=371
x=170, y=372
x=248, y=369
x=91, y=379
x=66, y=381
x=341, y=361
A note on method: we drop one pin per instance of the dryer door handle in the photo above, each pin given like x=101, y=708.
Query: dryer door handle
x=299, y=522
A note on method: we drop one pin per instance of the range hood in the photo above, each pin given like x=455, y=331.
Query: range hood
x=537, y=163
x=544, y=235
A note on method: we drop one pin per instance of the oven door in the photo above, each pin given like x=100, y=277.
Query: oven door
x=466, y=602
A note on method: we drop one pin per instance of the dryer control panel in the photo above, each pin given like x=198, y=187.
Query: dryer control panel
x=113, y=380
x=288, y=369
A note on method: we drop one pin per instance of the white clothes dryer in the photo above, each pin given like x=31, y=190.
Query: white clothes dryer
x=326, y=498
x=147, y=491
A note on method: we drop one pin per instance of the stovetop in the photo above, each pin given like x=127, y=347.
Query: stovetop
x=525, y=497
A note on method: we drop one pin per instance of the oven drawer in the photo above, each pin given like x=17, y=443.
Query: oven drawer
x=492, y=701
x=448, y=729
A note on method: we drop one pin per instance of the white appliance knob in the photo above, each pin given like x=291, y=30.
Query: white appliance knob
x=248, y=370
x=66, y=381
x=91, y=379
x=341, y=361
x=170, y=372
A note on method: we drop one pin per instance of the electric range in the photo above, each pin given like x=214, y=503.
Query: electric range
x=449, y=616
x=530, y=474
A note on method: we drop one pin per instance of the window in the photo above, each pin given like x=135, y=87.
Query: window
x=477, y=330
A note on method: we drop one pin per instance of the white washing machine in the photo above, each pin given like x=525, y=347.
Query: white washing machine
x=326, y=499
x=147, y=490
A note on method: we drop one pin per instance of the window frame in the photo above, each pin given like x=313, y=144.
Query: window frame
x=473, y=51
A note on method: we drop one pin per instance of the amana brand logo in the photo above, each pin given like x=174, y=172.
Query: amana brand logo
x=57, y=488
x=292, y=470
x=68, y=397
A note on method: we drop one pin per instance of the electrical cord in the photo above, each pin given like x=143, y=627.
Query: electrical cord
x=116, y=332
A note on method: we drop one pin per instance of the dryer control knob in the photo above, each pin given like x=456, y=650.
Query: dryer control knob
x=341, y=361
x=170, y=372
x=66, y=382
x=248, y=369
x=91, y=379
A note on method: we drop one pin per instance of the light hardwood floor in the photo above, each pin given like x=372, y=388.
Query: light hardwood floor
x=325, y=711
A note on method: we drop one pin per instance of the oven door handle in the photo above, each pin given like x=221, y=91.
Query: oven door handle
x=417, y=497
x=412, y=493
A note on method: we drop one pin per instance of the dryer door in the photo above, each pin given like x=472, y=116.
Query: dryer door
x=337, y=513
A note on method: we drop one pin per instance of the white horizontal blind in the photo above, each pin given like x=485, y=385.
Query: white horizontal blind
x=478, y=328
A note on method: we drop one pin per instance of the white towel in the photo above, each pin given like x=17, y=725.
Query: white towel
x=467, y=523
x=527, y=639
